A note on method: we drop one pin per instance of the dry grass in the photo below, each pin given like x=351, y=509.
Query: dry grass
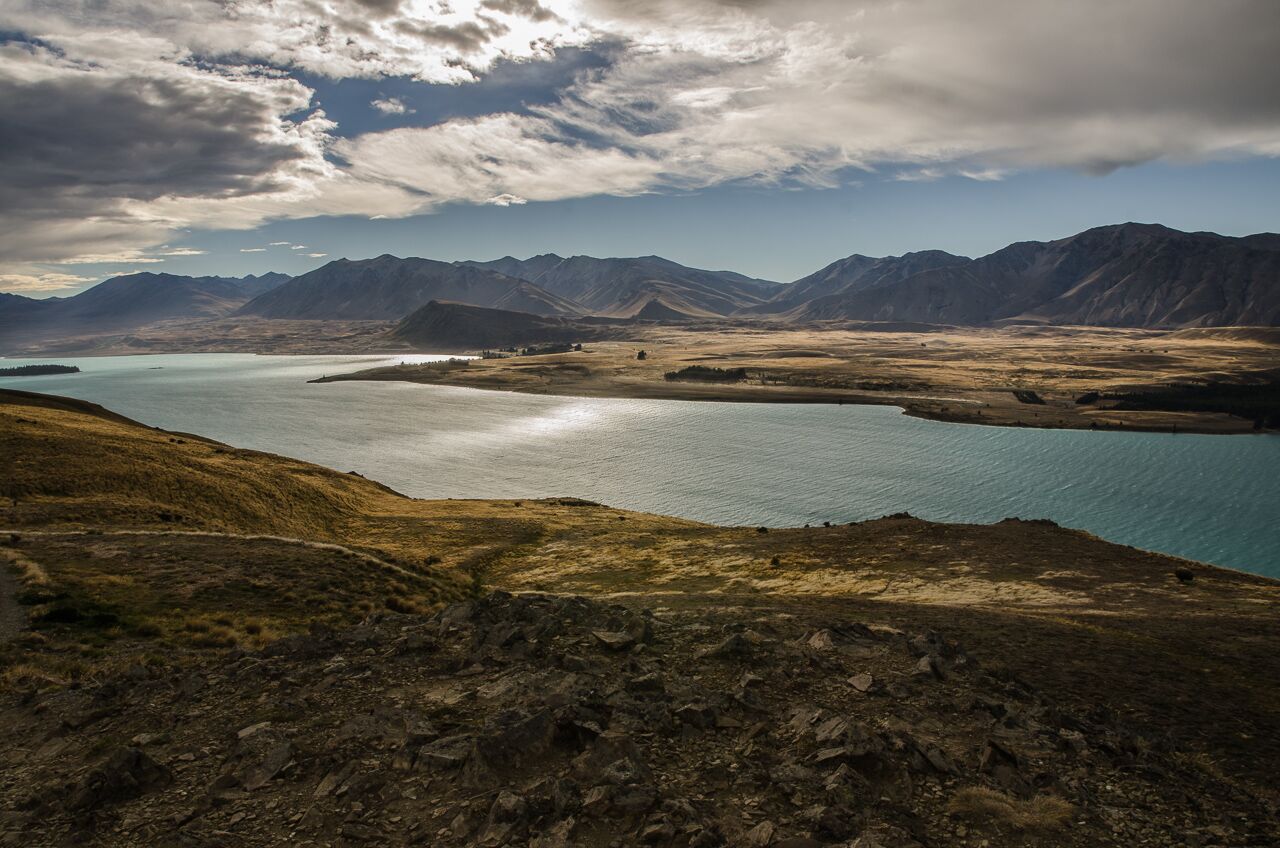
x=1040, y=813
x=950, y=374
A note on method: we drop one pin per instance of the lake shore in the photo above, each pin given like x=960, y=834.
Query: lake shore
x=1018, y=377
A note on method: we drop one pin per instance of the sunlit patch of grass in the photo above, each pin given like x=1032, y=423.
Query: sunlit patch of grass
x=1039, y=813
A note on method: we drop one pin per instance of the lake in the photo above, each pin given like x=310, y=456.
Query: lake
x=1210, y=498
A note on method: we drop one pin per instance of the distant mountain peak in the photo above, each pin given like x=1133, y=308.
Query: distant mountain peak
x=1131, y=274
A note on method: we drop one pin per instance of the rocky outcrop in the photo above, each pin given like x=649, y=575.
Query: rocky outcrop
x=556, y=721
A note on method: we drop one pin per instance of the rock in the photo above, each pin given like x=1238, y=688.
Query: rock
x=557, y=837
x=1184, y=575
x=126, y=774
x=760, y=836
x=831, y=730
x=657, y=834
x=821, y=641
x=929, y=666
x=614, y=641
x=334, y=779
x=277, y=759
x=862, y=682
x=837, y=821
x=734, y=646
x=253, y=730
x=449, y=752
x=508, y=807
x=633, y=800
x=697, y=715
x=624, y=771
x=647, y=683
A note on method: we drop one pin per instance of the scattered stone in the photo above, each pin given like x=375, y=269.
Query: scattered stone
x=862, y=682
x=614, y=641
x=126, y=774
x=760, y=836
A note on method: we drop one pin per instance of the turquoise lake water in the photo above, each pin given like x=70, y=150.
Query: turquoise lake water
x=1210, y=498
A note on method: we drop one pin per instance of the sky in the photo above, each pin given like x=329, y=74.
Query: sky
x=769, y=137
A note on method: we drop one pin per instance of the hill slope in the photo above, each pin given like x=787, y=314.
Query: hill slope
x=894, y=682
x=1127, y=275
x=623, y=288
x=389, y=288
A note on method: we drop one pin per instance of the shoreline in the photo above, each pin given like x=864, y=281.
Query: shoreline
x=937, y=407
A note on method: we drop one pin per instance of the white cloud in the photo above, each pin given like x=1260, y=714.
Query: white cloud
x=40, y=282
x=297, y=247
x=317, y=255
x=253, y=250
x=136, y=124
x=280, y=244
x=391, y=106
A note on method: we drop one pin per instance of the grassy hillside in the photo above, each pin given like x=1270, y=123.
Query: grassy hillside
x=1016, y=683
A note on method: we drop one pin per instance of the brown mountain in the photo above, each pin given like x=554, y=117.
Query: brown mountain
x=644, y=286
x=1126, y=275
x=389, y=288
x=450, y=327
x=853, y=274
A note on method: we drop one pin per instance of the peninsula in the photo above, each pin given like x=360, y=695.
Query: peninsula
x=1213, y=380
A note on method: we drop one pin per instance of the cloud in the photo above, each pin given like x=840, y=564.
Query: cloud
x=253, y=250
x=41, y=282
x=92, y=147
x=280, y=243
x=317, y=255
x=124, y=122
x=297, y=247
x=803, y=93
x=391, y=106
x=531, y=9
x=434, y=42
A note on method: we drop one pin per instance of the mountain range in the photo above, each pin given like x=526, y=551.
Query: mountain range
x=389, y=288
x=125, y=303
x=1128, y=275
x=1123, y=275
x=647, y=287
x=450, y=327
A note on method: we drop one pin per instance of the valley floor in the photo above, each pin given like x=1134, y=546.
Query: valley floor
x=1016, y=376
x=220, y=646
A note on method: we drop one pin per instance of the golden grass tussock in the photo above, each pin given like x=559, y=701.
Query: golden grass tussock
x=29, y=572
x=1039, y=813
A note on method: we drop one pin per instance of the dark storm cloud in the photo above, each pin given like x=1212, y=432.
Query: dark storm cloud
x=81, y=148
x=134, y=137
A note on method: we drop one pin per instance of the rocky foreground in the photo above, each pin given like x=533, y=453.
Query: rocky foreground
x=554, y=721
